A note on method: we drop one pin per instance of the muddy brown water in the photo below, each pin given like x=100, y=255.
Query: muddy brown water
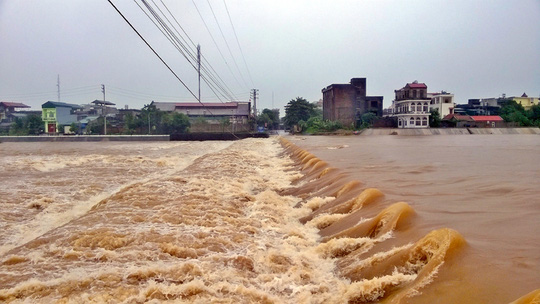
x=450, y=219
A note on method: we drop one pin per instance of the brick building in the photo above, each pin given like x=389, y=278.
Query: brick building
x=347, y=102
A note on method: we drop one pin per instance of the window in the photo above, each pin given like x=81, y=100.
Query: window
x=413, y=107
x=412, y=121
x=418, y=123
x=425, y=107
x=51, y=114
x=414, y=93
x=424, y=121
x=419, y=107
x=399, y=122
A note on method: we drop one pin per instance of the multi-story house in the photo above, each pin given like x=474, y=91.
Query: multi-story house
x=347, y=102
x=442, y=102
x=56, y=114
x=526, y=101
x=411, y=106
x=8, y=108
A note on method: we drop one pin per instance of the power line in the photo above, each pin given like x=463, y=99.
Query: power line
x=163, y=61
x=173, y=39
x=215, y=43
x=238, y=42
x=193, y=43
x=226, y=43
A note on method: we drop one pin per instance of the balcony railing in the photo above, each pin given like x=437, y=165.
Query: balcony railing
x=397, y=111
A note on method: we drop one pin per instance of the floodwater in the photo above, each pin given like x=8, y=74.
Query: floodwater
x=435, y=219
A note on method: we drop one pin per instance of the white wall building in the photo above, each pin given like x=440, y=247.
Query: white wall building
x=443, y=102
x=411, y=106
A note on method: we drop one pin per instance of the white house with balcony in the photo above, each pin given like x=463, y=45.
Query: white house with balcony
x=411, y=106
x=442, y=102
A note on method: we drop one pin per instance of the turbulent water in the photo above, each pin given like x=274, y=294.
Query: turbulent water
x=265, y=221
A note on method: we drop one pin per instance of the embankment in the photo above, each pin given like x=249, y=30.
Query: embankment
x=83, y=138
x=172, y=137
x=450, y=131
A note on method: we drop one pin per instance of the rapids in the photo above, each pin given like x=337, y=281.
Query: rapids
x=252, y=221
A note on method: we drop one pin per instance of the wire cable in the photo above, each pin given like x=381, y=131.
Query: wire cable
x=154, y=51
x=226, y=43
x=238, y=42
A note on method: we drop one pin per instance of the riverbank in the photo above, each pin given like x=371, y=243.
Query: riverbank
x=450, y=131
x=84, y=138
x=96, y=138
x=436, y=131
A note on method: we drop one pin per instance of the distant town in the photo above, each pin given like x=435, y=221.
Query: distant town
x=343, y=106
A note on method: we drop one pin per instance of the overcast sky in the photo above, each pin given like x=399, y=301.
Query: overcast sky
x=472, y=48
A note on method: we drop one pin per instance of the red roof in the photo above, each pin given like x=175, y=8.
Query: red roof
x=417, y=85
x=458, y=117
x=14, y=104
x=487, y=118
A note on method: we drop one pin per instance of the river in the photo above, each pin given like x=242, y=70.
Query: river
x=444, y=219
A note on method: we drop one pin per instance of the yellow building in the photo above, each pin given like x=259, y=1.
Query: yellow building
x=526, y=101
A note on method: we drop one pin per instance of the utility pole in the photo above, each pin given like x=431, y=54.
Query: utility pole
x=103, y=110
x=58, y=85
x=254, y=93
x=199, y=68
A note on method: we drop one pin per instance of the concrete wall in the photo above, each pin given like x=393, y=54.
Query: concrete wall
x=339, y=104
x=450, y=131
x=77, y=138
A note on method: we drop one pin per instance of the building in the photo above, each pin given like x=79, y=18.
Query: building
x=526, y=101
x=442, y=102
x=411, y=106
x=484, y=106
x=208, y=110
x=347, y=102
x=55, y=114
x=8, y=109
x=456, y=120
x=492, y=121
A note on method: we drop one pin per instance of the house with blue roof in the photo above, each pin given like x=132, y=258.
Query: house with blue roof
x=56, y=114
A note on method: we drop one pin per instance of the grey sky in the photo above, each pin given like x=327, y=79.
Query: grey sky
x=472, y=48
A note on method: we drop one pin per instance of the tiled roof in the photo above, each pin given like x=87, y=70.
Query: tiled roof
x=14, y=104
x=487, y=118
x=417, y=85
x=458, y=117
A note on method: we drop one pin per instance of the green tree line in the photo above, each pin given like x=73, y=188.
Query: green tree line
x=516, y=113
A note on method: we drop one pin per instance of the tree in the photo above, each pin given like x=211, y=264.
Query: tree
x=268, y=117
x=74, y=127
x=367, y=119
x=17, y=127
x=30, y=125
x=298, y=109
x=151, y=116
x=514, y=112
x=434, y=118
x=173, y=123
